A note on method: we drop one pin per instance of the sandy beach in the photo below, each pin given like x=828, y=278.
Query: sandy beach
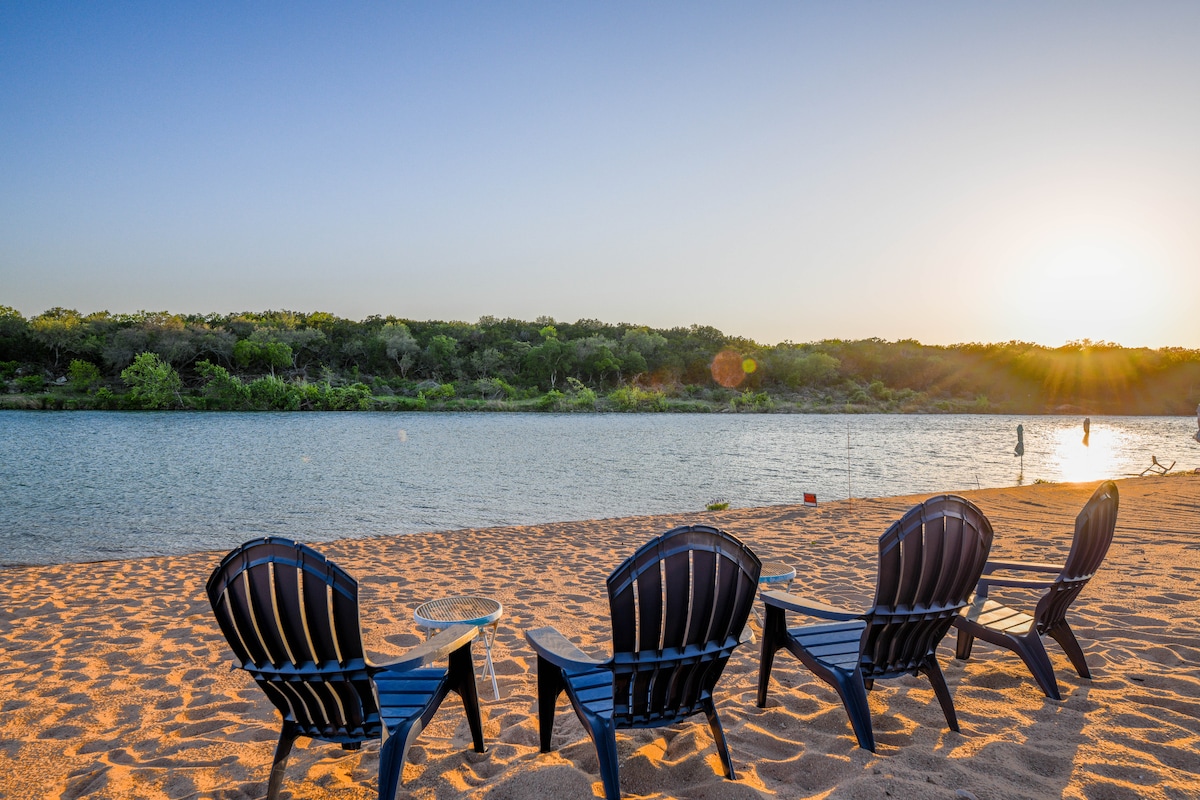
x=116, y=683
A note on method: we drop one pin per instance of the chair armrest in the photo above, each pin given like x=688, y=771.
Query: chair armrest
x=434, y=649
x=554, y=647
x=992, y=566
x=1018, y=583
x=813, y=608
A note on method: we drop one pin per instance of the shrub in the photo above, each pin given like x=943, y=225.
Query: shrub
x=355, y=397
x=226, y=391
x=274, y=394
x=30, y=384
x=551, y=400
x=581, y=396
x=84, y=375
x=152, y=382
x=752, y=401
x=635, y=398
x=104, y=398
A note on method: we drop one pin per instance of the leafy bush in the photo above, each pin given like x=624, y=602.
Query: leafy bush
x=84, y=375
x=227, y=392
x=274, y=394
x=152, y=382
x=104, y=398
x=752, y=401
x=581, y=396
x=30, y=384
x=635, y=398
x=438, y=393
x=551, y=400
x=355, y=397
x=410, y=403
x=492, y=389
x=8, y=369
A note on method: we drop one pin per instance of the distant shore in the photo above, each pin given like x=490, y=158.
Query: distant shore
x=286, y=361
x=116, y=682
x=747, y=403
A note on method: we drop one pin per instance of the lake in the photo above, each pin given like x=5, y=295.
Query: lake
x=87, y=486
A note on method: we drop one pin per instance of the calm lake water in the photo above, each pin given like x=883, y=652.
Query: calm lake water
x=87, y=486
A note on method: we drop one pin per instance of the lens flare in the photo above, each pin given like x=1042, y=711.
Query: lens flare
x=729, y=368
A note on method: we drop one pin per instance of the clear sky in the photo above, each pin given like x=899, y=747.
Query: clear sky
x=948, y=172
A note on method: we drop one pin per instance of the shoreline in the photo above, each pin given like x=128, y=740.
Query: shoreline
x=115, y=681
x=387, y=404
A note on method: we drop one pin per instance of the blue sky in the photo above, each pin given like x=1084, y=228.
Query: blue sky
x=948, y=172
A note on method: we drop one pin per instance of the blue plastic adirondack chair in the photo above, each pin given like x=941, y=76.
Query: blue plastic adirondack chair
x=929, y=562
x=291, y=617
x=1022, y=633
x=679, y=607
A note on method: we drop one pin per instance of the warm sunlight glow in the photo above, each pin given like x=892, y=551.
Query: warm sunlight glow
x=1103, y=290
x=1078, y=462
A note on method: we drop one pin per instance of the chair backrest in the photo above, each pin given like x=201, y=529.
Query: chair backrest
x=1093, y=534
x=679, y=606
x=291, y=617
x=929, y=562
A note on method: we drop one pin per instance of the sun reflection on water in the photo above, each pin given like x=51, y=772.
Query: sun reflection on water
x=1076, y=462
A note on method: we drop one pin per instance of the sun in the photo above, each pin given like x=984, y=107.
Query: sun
x=1092, y=289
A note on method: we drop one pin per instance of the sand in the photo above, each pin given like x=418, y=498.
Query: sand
x=116, y=683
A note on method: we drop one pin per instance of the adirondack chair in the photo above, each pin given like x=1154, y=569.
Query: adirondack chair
x=679, y=607
x=291, y=618
x=1022, y=633
x=929, y=562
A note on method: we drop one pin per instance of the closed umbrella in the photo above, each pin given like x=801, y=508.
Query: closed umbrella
x=1019, y=450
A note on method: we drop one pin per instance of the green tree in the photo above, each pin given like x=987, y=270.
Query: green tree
x=152, y=382
x=550, y=360
x=400, y=346
x=792, y=367
x=441, y=355
x=60, y=330
x=263, y=354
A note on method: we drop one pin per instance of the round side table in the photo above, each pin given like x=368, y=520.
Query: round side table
x=483, y=612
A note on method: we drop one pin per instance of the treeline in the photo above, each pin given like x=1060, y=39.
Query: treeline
x=283, y=360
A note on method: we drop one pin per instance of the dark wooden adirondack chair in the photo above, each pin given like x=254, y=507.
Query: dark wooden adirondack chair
x=679, y=607
x=929, y=562
x=291, y=617
x=997, y=623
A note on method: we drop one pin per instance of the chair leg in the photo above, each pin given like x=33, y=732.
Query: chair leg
x=282, y=750
x=462, y=680
x=604, y=735
x=550, y=686
x=1033, y=653
x=392, y=755
x=714, y=723
x=1065, y=637
x=851, y=689
x=774, y=634
x=933, y=671
x=965, y=640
